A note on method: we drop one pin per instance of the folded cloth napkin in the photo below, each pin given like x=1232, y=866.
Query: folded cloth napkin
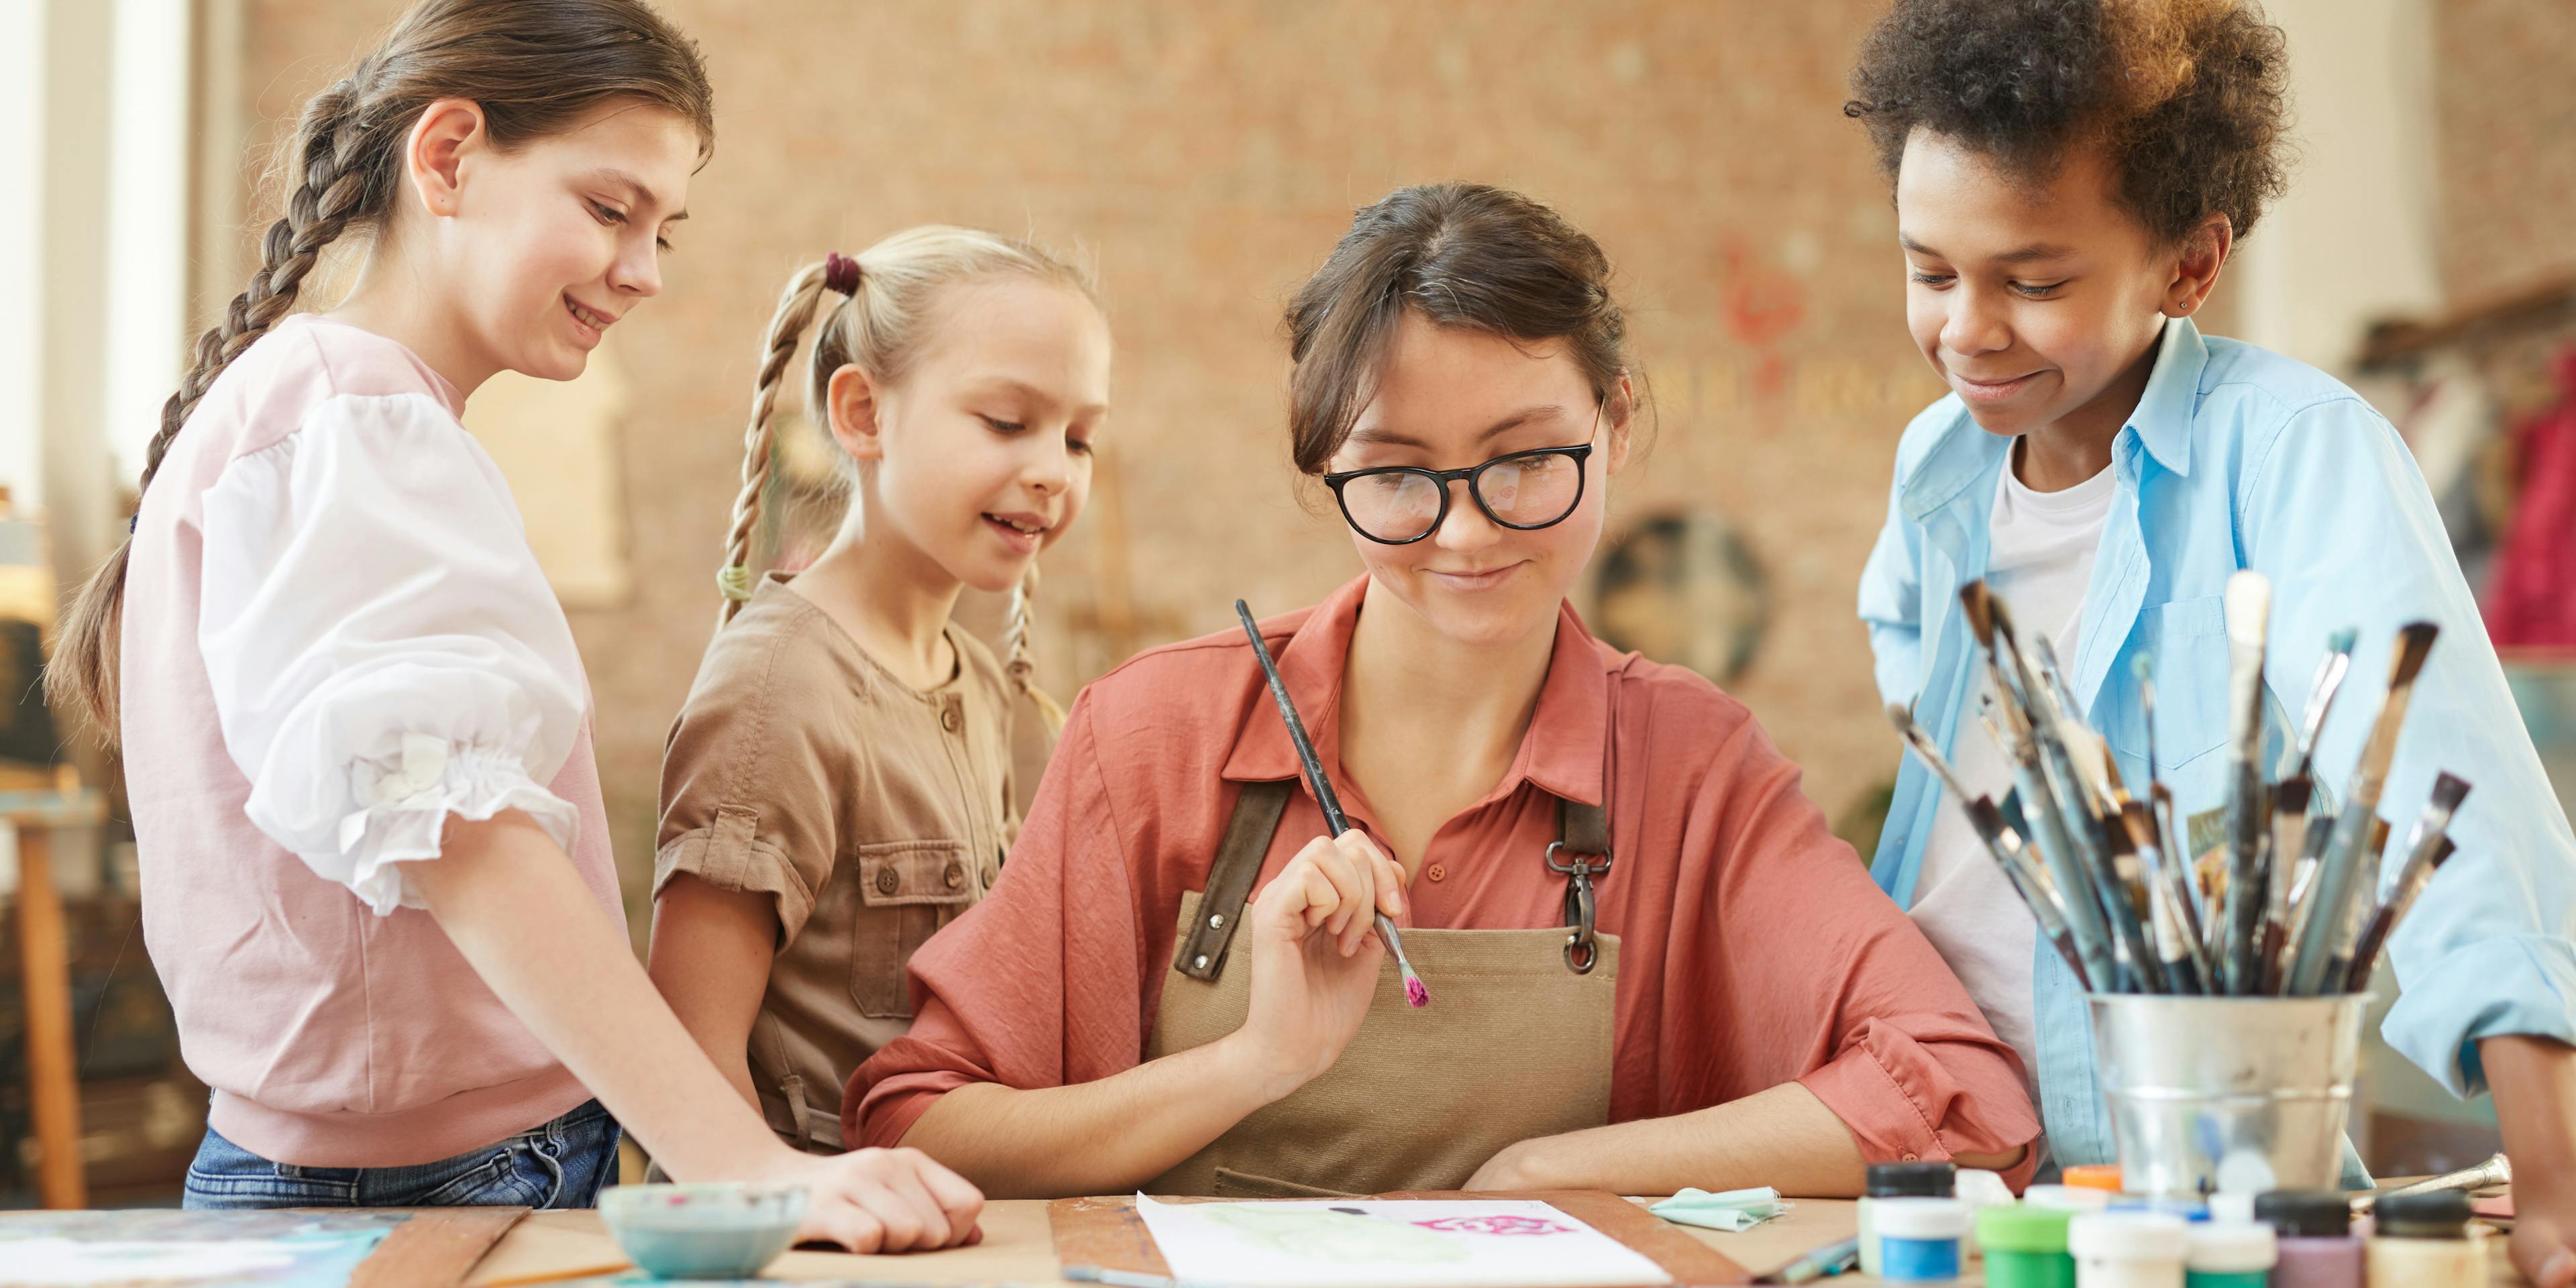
x=1732, y=1210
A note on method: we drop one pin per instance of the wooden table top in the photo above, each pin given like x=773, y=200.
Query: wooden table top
x=1019, y=1247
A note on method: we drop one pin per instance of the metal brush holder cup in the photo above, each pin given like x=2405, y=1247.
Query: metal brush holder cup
x=2201, y=1084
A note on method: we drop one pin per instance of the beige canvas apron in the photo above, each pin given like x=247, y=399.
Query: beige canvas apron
x=1515, y=1044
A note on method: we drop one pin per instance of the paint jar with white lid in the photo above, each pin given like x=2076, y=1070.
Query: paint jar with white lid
x=1978, y=1190
x=2133, y=1249
x=1919, y=1239
x=2426, y=1241
x=2232, y=1207
x=2229, y=1254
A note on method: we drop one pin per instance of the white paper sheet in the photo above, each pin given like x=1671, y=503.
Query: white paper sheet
x=1408, y=1243
x=70, y=1263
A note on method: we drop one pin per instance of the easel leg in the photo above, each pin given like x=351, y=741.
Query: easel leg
x=45, y=977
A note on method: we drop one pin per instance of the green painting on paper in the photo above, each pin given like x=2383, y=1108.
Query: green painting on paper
x=1326, y=1235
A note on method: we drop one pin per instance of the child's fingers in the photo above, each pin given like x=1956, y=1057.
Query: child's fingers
x=903, y=1224
x=844, y=1222
x=954, y=1194
x=913, y=1220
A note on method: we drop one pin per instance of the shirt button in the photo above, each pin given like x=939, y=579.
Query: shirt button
x=954, y=874
x=1910, y=1158
x=992, y=873
x=1436, y=872
x=949, y=720
x=887, y=881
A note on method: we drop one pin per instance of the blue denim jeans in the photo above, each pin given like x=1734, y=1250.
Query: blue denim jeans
x=562, y=1164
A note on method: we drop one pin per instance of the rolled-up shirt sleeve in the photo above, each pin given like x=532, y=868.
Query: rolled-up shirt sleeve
x=750, y=776
x=1825, y=982
x=382, y=647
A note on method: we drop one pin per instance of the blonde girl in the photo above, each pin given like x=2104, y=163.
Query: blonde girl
x=837, y=787
x=376, y=877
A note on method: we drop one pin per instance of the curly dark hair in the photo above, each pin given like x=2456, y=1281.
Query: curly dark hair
x=2186, y=95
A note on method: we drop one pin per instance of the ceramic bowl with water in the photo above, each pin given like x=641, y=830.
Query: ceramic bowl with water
x=724, y=1230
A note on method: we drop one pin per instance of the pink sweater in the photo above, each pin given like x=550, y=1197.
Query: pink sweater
x=335, y=637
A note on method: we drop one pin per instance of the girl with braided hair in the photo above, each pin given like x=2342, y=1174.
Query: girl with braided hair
x=837, y=787
x=376, y=875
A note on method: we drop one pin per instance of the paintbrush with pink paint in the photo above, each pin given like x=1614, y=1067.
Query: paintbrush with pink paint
x=1414, y=991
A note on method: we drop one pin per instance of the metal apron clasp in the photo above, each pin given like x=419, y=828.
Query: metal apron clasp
x=1582, y=947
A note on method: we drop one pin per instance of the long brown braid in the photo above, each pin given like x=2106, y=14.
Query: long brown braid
x=535, y=67
x=878, y=328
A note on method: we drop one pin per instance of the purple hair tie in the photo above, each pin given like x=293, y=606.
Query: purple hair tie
x=841, y=273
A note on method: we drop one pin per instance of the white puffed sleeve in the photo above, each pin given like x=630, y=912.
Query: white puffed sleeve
x=383, y=649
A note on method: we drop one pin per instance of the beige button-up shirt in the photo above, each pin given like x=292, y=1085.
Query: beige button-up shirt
x=871, y=813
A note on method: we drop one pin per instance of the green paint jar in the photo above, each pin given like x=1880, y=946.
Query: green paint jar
x=2026, y=1246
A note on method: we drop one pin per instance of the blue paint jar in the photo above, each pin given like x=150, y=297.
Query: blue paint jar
x=1916, y=1179
x=1918, y=1239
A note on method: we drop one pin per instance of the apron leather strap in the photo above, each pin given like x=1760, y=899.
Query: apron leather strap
x=1584, y=832
x=1230, y=877
x=1585, y=829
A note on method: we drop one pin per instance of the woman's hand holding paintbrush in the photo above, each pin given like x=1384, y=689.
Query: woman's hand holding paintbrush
x=1314, y=959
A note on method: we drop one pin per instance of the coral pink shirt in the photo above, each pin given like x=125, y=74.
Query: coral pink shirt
x=335, y=637
x=1753, y=948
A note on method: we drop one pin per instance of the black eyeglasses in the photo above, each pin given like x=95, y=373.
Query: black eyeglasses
x=1397, y=505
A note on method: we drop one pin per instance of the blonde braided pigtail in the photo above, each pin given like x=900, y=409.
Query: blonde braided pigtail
x=1020, y=664
x=797, y=306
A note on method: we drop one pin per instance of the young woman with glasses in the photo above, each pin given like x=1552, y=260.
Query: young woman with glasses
x=1650, y=964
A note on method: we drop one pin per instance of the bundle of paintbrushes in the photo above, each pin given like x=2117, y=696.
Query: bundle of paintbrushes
x=2276, y=907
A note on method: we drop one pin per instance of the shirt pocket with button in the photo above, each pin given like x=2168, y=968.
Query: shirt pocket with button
x=2187, y=638
x=908, y=889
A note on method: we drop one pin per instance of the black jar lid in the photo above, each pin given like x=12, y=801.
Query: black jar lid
x=1913, y=1180
x=2442, y=1214
x=2305, y=1214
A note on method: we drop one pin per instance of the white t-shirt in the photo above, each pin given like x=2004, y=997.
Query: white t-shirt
x=2042, y=557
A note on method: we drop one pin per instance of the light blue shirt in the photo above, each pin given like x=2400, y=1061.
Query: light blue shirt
x=2237, y=457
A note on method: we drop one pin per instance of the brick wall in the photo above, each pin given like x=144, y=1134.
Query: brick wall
x=2505, y=122
x=1208, y=154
